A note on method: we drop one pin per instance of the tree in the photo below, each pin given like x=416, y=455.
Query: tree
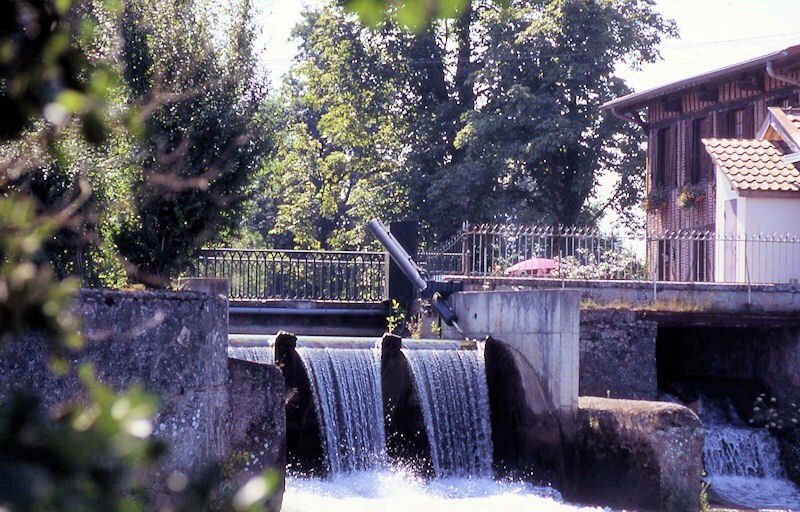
x=94, y=454
x=500, y=108
x=338, y=153
x=202, y=140
x=539, y=135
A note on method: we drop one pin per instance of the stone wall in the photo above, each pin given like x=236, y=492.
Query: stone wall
x=638, y=455
x=617, y=355
x=172, y=343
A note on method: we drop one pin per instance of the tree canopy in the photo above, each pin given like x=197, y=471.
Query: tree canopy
x=492, y=115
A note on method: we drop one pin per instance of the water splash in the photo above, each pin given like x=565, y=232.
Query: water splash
x=263, y=355
x=346, y=386
x=743, y=464
x=455, y=405
x=400, y=491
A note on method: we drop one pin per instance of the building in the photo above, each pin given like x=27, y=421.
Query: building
x=685, y=198
x=758, y=202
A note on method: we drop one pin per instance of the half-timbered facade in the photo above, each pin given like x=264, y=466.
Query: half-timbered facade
x=729, y=103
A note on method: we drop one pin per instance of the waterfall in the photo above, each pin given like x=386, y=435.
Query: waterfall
x=743, y=464
x=346, y=386
x=455, y=405
x=736, y=451
x=263, y=355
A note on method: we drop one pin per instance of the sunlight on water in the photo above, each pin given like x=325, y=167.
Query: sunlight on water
x=390, y=491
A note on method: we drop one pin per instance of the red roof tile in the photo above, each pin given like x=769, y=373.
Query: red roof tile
x=754, y=164
x=794, y=115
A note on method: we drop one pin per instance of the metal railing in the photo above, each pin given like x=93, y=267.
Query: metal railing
x=585, y=253
x=296, y=274
x=440, y=263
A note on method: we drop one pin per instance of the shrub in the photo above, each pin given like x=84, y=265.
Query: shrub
x=783, y=421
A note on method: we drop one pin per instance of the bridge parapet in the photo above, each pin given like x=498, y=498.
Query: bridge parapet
x=661, y=296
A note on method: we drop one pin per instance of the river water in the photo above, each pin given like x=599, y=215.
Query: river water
x=401, y=491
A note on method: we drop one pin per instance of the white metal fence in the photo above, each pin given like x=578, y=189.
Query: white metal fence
x=585, y=253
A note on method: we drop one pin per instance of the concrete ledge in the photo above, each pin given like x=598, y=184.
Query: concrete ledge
x=775, y=298
x=638, y=455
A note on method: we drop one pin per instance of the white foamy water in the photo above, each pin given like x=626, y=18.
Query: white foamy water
x=743, y=463
x=744, y=468
x=398, y=491
x=455, y=405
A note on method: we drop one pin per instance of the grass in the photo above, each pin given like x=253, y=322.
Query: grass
x=673, y=305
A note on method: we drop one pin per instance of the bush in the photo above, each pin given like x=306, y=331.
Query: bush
x=783, y=421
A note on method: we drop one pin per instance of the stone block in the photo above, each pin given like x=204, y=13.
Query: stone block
x=639, y=455
x=257, y=421
x=617, y=355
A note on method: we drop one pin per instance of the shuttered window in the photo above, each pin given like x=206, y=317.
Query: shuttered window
x=698, y=162
x=666, y=158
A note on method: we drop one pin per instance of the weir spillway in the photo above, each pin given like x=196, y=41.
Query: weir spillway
x=355, y=404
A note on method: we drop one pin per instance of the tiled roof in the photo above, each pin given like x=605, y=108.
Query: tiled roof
x=754, y=164
x=794, y=115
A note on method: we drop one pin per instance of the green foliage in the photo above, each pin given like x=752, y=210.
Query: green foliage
x=41, y=72
x=396, y=319
x=783, y=421
x=492, y=115
x=540, y=139
x=94, y=454
x=30, y=300
x=337, y=152
x=202, y=141
x=415, y=14
x=86, y=458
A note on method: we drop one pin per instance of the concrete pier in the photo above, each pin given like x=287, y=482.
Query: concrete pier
x=541, y=324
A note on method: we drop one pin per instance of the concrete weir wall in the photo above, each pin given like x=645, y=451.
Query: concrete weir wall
x=542, y=325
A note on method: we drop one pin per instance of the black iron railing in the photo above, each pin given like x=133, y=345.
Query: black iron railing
x=297, y=275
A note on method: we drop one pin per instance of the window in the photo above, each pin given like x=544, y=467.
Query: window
x=698, y=164
x=666, y=158
x=737, y=123
x=782, y=102
x=737, y=129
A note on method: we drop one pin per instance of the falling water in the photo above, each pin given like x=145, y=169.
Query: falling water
x=263, y=355
x=455, y=405
x=346, y=386
x=743, y=464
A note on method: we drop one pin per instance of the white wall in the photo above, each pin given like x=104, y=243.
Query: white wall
x=727, y=266
x=773, y=258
